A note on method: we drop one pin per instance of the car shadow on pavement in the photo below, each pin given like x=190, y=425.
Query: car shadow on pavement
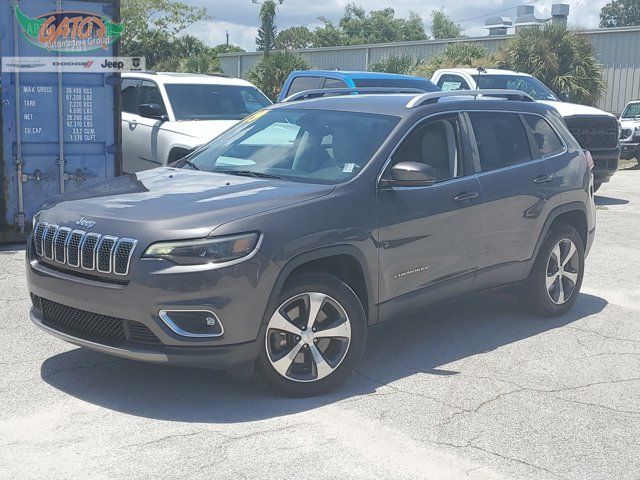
x=604, y=201
x=422, y=343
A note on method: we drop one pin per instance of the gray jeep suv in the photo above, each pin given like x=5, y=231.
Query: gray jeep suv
x=277, y=244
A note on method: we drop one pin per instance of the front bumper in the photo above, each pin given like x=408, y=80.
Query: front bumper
x=629, y=150
x=218, y=358
x=237, y=294
x=605, y=164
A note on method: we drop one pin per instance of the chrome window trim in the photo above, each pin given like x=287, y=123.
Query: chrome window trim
x=82, y=233
x=164, y=316
x=97, y=236
x=111, y=252
x=462, y=112
x=64, y=247
x=133, y=247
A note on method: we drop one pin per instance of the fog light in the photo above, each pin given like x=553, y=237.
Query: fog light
x=193, y=323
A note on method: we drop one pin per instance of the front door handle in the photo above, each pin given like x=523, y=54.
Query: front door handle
x=464, y=196
x=544, y=179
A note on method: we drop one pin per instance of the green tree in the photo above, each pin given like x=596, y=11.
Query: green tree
x=620, y=13
x=394, y=64
x=329, y=35
x=224, y=48
x=267, y=33
x=455, y=55
x=271, y=72
x=561, y=58
x=443, y=27
x=294, y=37
x=151, y=25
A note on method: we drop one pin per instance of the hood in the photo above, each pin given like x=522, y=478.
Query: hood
x=202, y=130
x=630, y=122
x=570, y=109
x=170, y=203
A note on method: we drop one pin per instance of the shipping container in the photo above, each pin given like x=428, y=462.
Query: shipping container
x=59, y=131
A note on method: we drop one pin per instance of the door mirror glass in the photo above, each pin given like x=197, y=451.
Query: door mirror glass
x=411, y=174
x=152, y=110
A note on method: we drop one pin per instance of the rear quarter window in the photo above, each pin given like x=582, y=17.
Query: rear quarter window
x=545, y=137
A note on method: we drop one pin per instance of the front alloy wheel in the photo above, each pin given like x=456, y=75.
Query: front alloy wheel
x=315, y=337
x=307, y=337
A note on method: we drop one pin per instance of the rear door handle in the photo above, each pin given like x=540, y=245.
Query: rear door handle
x=544, y=178
x=464, y=196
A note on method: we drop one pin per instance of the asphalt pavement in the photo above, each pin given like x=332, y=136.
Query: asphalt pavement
x=478, y=389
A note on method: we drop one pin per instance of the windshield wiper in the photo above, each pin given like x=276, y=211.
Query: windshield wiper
x=249, y=173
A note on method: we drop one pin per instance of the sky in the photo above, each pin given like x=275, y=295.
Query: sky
x=240, y=17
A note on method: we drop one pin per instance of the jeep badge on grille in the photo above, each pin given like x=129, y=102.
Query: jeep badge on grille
x=84, y=222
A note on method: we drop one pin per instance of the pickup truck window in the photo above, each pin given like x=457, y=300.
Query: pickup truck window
x=214, y=102
x=150, y=93
x=300, y=84
x=448, y=82
x=632, y=111
x=530, y=85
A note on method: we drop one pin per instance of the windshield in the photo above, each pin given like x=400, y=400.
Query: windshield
x=312, y=146
x=419, y=83
x=632, y=111
x=214, y=102
x=530, y=85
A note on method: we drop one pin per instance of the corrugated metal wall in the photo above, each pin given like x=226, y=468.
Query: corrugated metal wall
x=618, y=49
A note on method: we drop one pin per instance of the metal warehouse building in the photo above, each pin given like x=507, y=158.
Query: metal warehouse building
x=617, y=49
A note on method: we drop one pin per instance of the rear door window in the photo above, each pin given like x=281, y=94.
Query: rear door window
x=300, y=84
x=333, y=83
x=501, y=138
x=544, y=136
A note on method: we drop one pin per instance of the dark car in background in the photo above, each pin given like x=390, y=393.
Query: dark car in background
x=280, y=242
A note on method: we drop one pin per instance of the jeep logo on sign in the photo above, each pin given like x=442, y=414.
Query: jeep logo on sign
x=69, y=31
x=83, y=222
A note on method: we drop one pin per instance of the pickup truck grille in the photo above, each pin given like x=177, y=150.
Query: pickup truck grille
x=594, y=133
x=82, y=250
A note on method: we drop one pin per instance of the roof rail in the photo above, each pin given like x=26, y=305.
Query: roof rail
x=433, y=97
x=347, y=91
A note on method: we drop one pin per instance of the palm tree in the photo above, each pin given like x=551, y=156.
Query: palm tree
x=560, y=57
x=267, y=33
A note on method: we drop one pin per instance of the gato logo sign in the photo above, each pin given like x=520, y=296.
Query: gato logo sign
x=69, y=31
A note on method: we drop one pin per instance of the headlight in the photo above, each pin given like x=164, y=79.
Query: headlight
x=206, y=250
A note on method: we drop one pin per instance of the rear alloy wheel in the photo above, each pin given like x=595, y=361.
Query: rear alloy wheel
x=554, y=283
x=314, y=338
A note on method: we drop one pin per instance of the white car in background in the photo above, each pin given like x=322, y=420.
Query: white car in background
x=630, y=136
x=595, y=130
x=167, y=115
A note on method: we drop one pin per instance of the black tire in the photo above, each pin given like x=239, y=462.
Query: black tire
x=596, y=186
x=339, y=292
x=538, y=298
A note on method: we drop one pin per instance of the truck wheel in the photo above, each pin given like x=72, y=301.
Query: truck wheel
x=554, y=283
x=315, y=338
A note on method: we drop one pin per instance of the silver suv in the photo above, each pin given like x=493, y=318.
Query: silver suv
x=167, y=115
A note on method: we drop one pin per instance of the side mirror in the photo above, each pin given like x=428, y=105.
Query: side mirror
x=410, y=174
x=563, y=96
x=152, y=110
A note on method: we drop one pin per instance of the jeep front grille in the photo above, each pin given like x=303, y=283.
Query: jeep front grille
x=594, y=133
x=79, y=249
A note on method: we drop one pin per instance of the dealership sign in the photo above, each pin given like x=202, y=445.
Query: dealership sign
x=69, y=31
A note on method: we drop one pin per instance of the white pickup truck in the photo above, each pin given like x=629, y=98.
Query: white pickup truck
x=167, y=115
x=630, y=138
x=595, y=130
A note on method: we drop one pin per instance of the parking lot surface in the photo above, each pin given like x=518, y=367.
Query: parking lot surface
x=475, y=389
